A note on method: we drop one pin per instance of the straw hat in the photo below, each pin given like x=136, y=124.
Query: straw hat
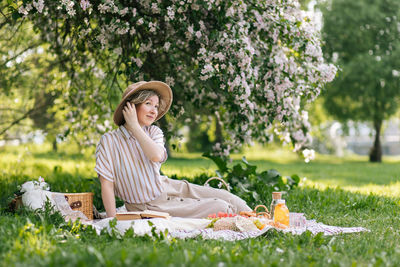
x=161, y=88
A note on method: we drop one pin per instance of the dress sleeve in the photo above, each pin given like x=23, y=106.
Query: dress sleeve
x=157, y=136
x=104, y=163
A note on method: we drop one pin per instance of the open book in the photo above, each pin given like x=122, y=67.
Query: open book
x=135, y=215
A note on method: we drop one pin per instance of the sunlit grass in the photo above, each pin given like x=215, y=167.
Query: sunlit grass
x=38, y=160
x=353, y=172
x=390, y=190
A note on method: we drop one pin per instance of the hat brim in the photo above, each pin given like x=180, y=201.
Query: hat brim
x=161, y=88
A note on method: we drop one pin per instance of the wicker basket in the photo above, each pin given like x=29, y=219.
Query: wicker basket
x=82, y=202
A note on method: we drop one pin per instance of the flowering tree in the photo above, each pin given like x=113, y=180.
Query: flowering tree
x=250, y=64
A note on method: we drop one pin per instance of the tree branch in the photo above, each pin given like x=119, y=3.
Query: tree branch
x=11, y=109
x=23, y=51
x=24, y=116
x=7, y=19
x=17, y=121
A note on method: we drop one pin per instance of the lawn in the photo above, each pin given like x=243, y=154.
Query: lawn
x=337, y=191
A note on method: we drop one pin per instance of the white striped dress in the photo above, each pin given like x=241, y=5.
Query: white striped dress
x=120, y=159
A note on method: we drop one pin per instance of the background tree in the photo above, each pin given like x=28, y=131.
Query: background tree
x=363, y=37
x=30, y=83
x=252, y=64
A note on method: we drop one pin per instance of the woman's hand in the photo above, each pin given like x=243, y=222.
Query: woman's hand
x=130, y=116
x=152, y=151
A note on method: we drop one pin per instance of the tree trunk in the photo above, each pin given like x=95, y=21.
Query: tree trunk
x=163, y=125
x=218, y=131
x=54, y=145
x=376, y=151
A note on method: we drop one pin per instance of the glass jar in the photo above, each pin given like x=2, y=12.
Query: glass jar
x=281, y=213
x=275, y=197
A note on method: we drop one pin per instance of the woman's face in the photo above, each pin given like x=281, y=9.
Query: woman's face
x=147, y=111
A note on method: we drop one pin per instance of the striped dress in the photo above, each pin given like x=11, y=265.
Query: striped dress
x=121, y=160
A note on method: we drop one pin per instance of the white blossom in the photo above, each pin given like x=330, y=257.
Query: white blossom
x=198, y=34
x=155, y=9
x=167, y=45
x=308, y=154
x=118, y=51
x=170, y=81
x=39, y=5
x=138, y=61
x=171, y=13
x=124, y=11
x=85, y=4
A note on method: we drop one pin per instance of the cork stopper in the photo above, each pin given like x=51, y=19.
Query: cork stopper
x=276, y=195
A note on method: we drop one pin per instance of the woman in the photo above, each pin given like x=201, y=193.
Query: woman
x=128, y=162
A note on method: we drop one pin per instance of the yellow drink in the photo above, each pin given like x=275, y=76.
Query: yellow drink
x=281, y=213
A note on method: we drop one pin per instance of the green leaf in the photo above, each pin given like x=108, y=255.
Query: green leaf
x=16, y=15
x=296, y=178
x=238, y=171
x=245, y=161
x=269, y=175
x=256, y=196
x=221, y=164
x=219, y=174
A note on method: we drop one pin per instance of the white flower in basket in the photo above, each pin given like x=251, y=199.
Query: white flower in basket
x=35, y=185
x=35, y=193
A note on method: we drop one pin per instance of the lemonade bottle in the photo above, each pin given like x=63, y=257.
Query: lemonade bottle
x=281, y=213
x=275, y=197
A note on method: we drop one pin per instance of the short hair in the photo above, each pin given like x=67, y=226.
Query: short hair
x=142, y=95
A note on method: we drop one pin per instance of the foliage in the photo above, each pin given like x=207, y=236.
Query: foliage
x=198, y=138
x=250, y=184
x=364, y=39
x=251, y=64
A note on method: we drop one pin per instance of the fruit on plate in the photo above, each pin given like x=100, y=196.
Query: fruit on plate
x=259, y=224
x=221, y=215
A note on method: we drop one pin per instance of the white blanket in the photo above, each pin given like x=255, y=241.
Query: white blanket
x=177, y=227
x=189, y=228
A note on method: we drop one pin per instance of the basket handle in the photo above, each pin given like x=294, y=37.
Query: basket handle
x=219, y=179
x=264, y=213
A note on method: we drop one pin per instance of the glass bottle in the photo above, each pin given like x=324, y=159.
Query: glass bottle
x=281, y=213
x=275, y=197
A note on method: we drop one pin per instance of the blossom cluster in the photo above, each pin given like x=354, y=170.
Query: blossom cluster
x=252, y=64
x=40, y=184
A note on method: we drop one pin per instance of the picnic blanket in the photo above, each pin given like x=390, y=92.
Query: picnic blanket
x=189, y=228
x=177, y=227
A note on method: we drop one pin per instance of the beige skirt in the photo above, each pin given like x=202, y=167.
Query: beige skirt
x=183, y=199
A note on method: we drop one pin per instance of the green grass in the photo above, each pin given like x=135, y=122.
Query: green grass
x=338, y=191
